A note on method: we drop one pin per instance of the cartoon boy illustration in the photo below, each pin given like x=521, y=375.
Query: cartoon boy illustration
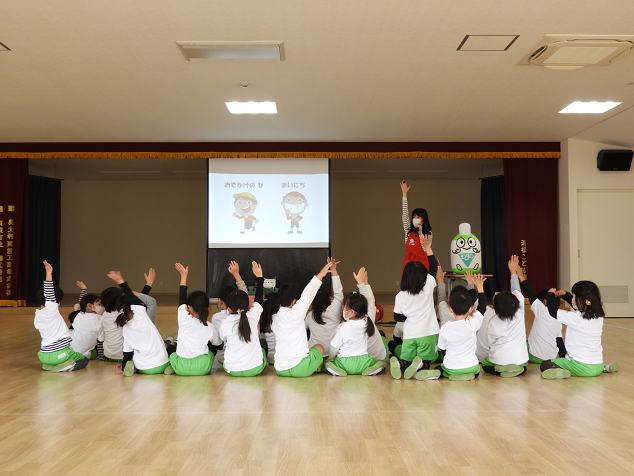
x=245, y=204
x=294, y=204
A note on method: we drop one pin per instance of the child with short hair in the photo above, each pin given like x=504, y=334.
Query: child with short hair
x=506, y=332
x=293, y=357
x=583, y=335
x=324, y=318
x=349, y=348
x=545, y=339
x=457, y=338
x=143, y=347
x=55, y=353
x=88, y=334
x=414, y=306
x=191, y=356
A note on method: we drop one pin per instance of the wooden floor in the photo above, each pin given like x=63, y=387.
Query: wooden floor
x=92, y=422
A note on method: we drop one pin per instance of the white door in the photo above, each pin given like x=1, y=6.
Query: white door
x=606, y=233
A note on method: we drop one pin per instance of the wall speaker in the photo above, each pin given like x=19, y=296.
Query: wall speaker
x=617, y=159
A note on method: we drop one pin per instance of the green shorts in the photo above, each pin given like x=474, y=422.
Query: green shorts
x=579, y=369
x=397, y=351
x=387, y=349
x=200, y=365
x=423, y=347
x=355, y=365
x=469, y=370
x=112, y=360
x=251, y=372
x=306, y=367
x=93, y=354
x=59, y=357
x=531, y=357
x=156, y=370
x=487, y=363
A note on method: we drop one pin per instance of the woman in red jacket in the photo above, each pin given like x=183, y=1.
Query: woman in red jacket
x=415, y=228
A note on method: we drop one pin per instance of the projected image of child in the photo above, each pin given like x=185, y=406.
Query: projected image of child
x=245, y=204
x=294, y=204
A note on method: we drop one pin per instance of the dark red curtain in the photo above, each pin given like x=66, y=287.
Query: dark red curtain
x=13, y=249
x=531, y=188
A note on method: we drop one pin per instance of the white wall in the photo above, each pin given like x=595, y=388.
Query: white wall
x=578, y=171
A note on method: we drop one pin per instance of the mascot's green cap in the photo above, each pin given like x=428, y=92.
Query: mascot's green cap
x=245, y=195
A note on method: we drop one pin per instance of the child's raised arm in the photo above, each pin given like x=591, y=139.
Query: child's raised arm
x=337, y=288
x=259, y=283
x=49, y=288
x=128, y=295
x=149, y=281
x=234, y=270
x=82, y=293
x=552, y=302
x=479, y=280
x=182, y=290
x=513, y=265
x=426, y=240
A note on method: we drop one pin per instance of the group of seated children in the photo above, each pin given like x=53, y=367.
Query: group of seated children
x=300, y=331
x=473, y=333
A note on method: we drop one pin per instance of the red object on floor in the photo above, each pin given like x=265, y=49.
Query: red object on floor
x=379, y=313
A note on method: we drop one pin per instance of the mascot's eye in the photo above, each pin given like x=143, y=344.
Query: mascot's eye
x=471, y=242
x=460, y=242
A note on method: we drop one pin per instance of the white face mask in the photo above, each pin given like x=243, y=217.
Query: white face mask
x=99, y=310
x=417, y=221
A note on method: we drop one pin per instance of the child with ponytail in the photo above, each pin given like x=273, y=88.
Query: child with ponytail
x=349, y=348
x=324, y=318
x=191, y=356
x=244, y=354
x=584, y=323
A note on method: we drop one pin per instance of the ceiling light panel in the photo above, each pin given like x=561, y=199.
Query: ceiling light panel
x=592, y=107
x=251, y=107
x=225, y=50
x=487, y=42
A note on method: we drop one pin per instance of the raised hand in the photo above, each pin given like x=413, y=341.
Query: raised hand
x=324, y=271
x=514, y=264
x=49, y=271
x=81, y=285
x=560, y=293
x=257, y=269
x=234, y=269
x=479, y=280
x=404, y=188
x=360, y=276
x=469, y=276
x=182, y=270
x=440, y=275
x=150, y=277
x=116, y=277
x=334, y=263
x=426, y=241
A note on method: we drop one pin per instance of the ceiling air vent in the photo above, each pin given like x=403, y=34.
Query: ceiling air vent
x=232, y=50
x=577, y=51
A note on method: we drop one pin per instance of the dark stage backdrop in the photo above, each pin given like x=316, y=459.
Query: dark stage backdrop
x=297, y=265
x=45, y=217
x=531, y=189
x=493, y=226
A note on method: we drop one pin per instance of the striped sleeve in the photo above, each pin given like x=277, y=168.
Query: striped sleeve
x=49, y=291
x=405, y=218
x=83, y=292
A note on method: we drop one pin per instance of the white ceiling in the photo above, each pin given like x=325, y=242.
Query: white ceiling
x=356, y=70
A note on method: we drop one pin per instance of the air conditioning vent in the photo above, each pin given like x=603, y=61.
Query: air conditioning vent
x=615, y=294
x=236, y=50
x=577, y=51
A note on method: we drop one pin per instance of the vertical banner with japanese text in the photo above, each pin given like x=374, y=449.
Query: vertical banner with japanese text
x=531, y=191
x=13, y=210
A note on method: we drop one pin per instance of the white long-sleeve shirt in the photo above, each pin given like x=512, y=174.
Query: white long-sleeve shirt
x=419, y=310
x=87, y=330
x=376, y=347
x=193, y=335
x=458, y=339
x=323, y=334
x=241, y=355
x=507, y=337
x=290, y=330
x=142, y=337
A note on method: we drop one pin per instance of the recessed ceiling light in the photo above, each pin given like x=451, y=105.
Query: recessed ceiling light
x=592, y=107
x=228, y=50
x=252, y=107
